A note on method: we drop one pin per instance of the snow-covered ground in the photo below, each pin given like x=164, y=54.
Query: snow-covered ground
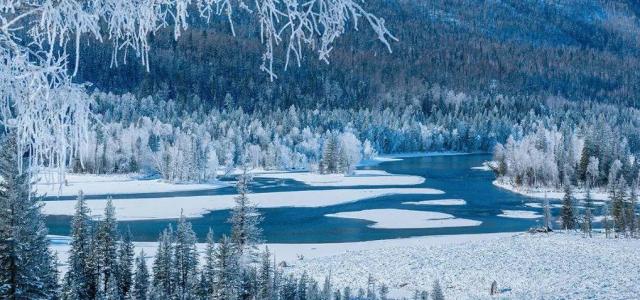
x=196, y=206
x=92, y=184
x=440, y=202
x=360, y=177
x=554, y=266
x=548, y=192
x=519, y=214
x=525, y=266
x=404, y=219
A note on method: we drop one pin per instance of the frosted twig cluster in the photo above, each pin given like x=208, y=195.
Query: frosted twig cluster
x=40, y=43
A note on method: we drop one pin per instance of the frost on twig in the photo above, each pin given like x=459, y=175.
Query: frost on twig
x=40, y=38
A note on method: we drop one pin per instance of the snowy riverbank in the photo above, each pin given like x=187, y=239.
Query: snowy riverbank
x=550, y=193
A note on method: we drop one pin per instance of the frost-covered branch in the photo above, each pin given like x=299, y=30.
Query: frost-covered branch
x=40, y=38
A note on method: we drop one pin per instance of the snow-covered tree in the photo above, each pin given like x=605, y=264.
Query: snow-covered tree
x=82, y=279
x=140, y=289
x=436, y=292
x=163, y=272
x=125, y=263
x=351, y=151
x=43, y=38
x=245, y=220
x=27, y=269
x=587, y=221
x=185, y=262
x=226, y=283
x=107, y=246
x=567, y=214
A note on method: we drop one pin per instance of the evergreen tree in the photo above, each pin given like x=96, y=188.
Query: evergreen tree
x=326, y=287
x=185, y=259
x=329, y=162
x=384, y=292
x=618, y=209
x=209, y=268
x=26, y=270
x=302, y=287
x=588, y=217
x=141, y=279
x=226, y=268
x=107, y=246
x=125, y=263
x=436, y=293
x=83, y=275
x=245, y=220
x=567, y=214
x=163, y=266
x=265, y=277
x=631, y=205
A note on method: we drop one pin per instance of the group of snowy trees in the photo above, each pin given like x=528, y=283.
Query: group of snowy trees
x=591, y=156
x=102, y=263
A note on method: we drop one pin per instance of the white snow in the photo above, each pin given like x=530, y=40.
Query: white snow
x=360, y=177
x=553, y=266
x=549, y=193
x=525, y=266
x=519, y=214
x=196, y=206
x=91, y=184
x=404, y=219
x=539, y=205
x=443, y=202
x=486, y=166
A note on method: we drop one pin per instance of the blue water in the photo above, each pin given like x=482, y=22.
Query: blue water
x=451, y=174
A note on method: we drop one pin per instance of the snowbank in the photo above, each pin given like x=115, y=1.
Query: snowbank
x=443, y=202
x=170, y=207
x=519, y=214
x=405, y=219
x=553, y=266
x=360, y=177
x=92, y=184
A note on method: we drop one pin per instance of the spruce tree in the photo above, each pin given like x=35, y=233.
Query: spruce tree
x=125, y=263
x=567, y=214
x=631, y=205
x=141, y=279
x=436, y=293
x=226, y=270
x=107, y=246
x=245, y=220
x=265, y=277
x=209, y=268
x=163, y=285
x=618, y=209
x=185, y=262
x=83, y=275
x=588, y=217
x=26, y=264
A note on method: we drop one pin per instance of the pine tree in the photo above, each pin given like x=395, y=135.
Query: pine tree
x=588, y=217
x=329, y=162
x=141, y=279
x=107, y=246
x=606, y=223
x=618, y=206
x=265, y=277
x=185, y=259
x=162, y=266
x=567, y=214
x=327, y=287
x=632, y=219
x=83, y=275
x=26, y=270
x=302, y=287
x=436, y=293
x=245, y=220
x=209, y=268
x=226, y=268
x=125, y=263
